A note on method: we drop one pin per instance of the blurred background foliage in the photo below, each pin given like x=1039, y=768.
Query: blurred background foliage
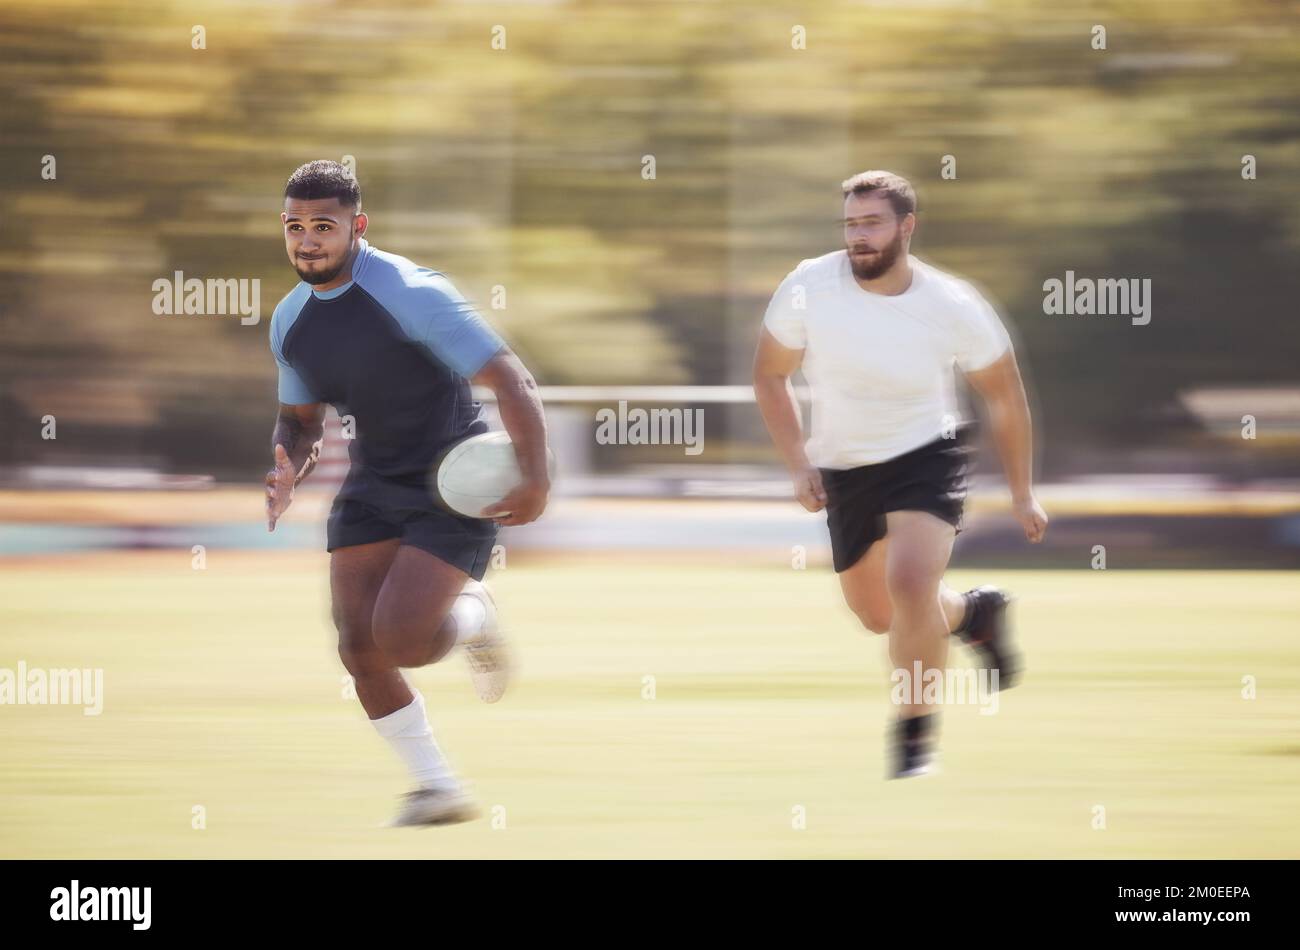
x=522, y=168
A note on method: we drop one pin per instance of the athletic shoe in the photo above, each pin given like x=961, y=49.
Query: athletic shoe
x=486, y=652
x=925, y=763
x=986, y=631
x=435, y=806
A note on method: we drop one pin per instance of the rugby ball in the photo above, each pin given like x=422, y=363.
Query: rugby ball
x=478, y=472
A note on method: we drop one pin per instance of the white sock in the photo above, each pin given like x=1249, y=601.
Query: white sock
x=408, y=732
x=468, y=613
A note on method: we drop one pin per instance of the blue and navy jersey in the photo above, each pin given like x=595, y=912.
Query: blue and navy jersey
x=394, y=348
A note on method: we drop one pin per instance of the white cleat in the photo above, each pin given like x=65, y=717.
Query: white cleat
x=435, y=806
x=486, y=652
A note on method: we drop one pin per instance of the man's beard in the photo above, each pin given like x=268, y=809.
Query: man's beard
x=873, y=267
x=321, y=276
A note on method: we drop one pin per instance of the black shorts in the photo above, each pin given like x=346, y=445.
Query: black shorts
x=933, y=478
x=371, y=508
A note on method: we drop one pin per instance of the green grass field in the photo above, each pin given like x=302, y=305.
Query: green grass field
x=222, y=690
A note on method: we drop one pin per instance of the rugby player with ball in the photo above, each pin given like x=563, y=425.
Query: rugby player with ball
x=396, y=347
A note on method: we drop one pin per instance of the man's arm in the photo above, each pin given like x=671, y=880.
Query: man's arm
x=1003, y=392
x=296, y=444
x=774, y=364
x=300, y=429
x=520, y=406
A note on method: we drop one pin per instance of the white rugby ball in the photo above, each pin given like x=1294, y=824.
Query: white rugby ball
x=478, y=472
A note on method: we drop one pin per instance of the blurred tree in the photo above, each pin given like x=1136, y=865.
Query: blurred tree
x=524, y=169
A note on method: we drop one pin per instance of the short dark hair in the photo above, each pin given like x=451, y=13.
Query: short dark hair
x=324, y=179
x=896, y=188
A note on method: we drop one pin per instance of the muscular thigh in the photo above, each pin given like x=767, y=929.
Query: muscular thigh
x=416, y=595
x=357, y=575
x=920, y=545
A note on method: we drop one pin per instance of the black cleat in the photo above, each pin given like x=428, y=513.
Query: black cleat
x=986, y=631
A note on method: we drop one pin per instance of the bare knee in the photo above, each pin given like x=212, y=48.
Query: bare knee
x=360, y=655
x=911, y=590
x=875, y=622
x=873, y=615
x=868, y=598
x=412, y=643
x=361, y=661
x=402, y=645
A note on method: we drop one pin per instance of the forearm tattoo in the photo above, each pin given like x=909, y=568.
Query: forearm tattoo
x=302, y=442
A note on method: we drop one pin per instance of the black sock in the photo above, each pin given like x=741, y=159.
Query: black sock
x=912, y=741
x=915, y=732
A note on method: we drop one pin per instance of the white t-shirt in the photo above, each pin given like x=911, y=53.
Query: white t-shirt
x=881, y=368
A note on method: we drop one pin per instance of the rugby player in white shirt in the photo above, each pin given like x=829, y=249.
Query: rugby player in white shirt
x=876, y=333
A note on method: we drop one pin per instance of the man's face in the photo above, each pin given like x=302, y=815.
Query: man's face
x=319, y=236
x=874, y=235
